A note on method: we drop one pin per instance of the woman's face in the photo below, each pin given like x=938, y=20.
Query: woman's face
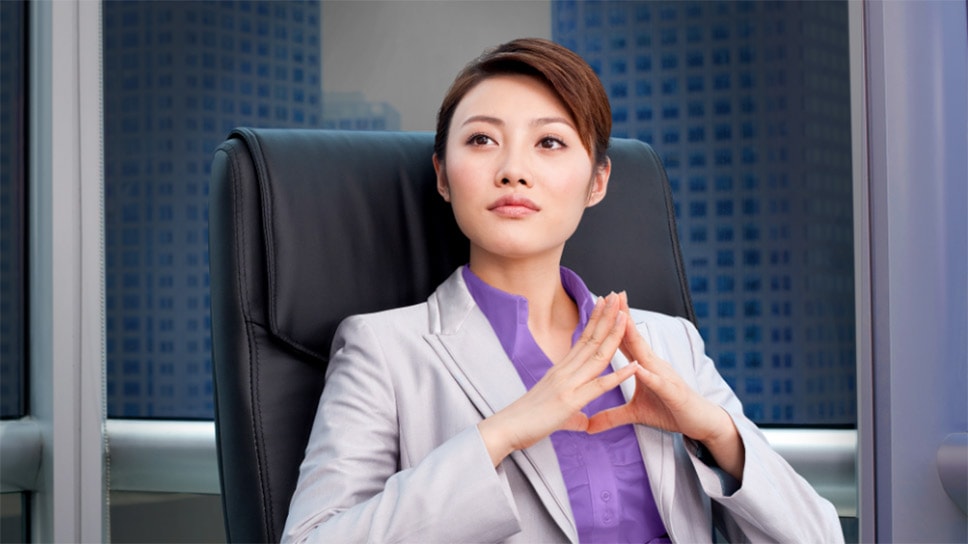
x=516, y=172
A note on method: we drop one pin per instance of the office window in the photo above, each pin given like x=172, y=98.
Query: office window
x=697, y=184
x=695, y=84
x=619, y=66
x=670, y=61
x=699, y=284
x=737, y=126
x=643, y=63
x=246, y=64
x=694, y=59
x=669, y=36
x=643, y=87
x=619, y=90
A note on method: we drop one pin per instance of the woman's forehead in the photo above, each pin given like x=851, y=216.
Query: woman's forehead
x=501, y=98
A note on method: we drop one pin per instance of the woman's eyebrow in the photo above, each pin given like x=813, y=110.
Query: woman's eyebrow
x=483, y=119
x=541, y=121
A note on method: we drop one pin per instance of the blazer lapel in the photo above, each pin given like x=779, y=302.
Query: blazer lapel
x=467, y=346
x=681, y=515
x=656, y=447
x=676, y=494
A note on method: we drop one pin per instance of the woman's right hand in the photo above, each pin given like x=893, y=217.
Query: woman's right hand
x=555, y=402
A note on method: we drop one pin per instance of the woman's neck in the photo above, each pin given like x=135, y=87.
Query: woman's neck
x=552, y=314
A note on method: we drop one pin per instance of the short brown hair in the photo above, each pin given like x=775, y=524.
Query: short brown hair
x=567, y=74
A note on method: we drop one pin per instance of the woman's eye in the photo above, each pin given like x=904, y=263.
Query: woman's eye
x=551, y=143
x=479, y=139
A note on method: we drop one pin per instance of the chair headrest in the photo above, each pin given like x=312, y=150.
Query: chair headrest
x=353, y=223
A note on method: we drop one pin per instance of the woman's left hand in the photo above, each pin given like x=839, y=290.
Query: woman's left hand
x=665, y=401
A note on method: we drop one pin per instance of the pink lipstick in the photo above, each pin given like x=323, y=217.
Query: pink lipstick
x=514, y=206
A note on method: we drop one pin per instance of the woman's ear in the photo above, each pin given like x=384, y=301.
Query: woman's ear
x=442, y=186
x=599, y=183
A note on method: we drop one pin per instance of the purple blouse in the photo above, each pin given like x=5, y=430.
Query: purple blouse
x=607, y=484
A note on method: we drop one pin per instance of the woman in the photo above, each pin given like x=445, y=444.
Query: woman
x=493, y=411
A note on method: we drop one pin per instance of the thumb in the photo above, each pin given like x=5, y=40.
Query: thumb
x=611, y=418
x=575, y=422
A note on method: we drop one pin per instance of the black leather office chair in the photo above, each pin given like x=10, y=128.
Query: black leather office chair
x=310, y=226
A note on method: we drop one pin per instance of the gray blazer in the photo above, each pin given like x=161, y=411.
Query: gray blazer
x=395, y=455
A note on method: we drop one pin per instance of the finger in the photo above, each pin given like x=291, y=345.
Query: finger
x=600, y=325
x=624, y=346
x=576, y=422
x=602, y=384
x=667, y=391
x=609, y=419
x=595, y=316
x=624, y=301
x=619, y=415
x=638, y=349
x=597, y=327
x=597, y=360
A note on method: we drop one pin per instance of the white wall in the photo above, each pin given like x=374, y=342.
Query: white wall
x=407, y=52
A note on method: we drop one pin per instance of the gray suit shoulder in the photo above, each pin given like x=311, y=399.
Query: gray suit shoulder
x=408, y=320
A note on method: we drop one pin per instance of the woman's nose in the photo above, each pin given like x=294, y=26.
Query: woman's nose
x=514, y=171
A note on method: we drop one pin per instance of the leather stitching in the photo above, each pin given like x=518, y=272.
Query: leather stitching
x=254, y=362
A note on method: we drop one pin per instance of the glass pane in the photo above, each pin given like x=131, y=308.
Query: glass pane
x=748, y=104
x=166, y=517
x=13, y=522
x=178, y=76
x=13, y=197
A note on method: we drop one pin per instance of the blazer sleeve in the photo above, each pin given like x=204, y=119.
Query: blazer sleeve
x=772, y=503
x=352, y=487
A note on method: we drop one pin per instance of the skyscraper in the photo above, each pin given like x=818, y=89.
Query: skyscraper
x=748, y=104
x=178, y=76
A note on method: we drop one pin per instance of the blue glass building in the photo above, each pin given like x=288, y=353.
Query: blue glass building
x=178, y=76
x=748, y=104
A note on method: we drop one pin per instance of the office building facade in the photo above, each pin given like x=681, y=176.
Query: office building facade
x=178, y=76
x=748, y=105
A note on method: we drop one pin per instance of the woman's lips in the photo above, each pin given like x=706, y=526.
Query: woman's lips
x=514, y=206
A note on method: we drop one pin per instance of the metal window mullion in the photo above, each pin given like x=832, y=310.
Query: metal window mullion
x=66, y=308
x=862, y=272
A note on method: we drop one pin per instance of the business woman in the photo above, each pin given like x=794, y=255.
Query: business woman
x=514, y=405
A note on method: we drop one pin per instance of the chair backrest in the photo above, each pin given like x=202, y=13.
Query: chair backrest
x=310, y=226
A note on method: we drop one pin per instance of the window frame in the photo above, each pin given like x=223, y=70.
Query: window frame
x=67, y=301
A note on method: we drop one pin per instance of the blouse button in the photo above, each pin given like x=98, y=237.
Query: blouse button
x=606, y=496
